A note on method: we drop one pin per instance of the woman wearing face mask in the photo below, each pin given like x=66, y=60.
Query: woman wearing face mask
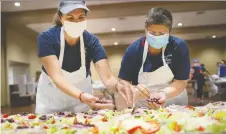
x=66, y=51
x=158, y=64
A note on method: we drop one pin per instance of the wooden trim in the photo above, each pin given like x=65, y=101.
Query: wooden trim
x=4, y=68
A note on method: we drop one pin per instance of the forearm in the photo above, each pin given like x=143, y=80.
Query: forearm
x=51, y=64
x=110, y=83
x=175, y=88
x=66, y=86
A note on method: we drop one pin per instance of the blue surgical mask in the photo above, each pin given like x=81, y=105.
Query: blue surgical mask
x=157, y=41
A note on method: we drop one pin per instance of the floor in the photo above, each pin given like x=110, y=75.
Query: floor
x=31, y=108
x=15, y=110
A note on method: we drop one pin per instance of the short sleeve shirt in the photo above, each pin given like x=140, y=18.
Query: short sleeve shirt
x=49, y=44
x=176, y=56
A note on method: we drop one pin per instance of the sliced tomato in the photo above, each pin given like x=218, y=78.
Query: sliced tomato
x=177, y=128
x=200, y=128
x=131, y=131
x=87, y=121
x=5, y=115
x=190, y=107
x=169, y=115
x=31, y=116
x=95, y=130
x=45, y=127
x=105, y=119
x=53, y=122
x=200, y=114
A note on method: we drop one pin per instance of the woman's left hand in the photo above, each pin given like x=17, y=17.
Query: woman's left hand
x=156, y=100
x=125, y=89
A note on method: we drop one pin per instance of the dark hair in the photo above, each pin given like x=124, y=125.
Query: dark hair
x=158, y=15
x=223, y=61
x=57, y=17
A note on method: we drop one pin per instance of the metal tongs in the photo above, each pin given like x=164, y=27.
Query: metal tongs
x=155, y=100
x=133, y=110
x=134, y=107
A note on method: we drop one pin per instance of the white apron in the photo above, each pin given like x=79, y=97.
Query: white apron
x=50, y=99
x=159, y=79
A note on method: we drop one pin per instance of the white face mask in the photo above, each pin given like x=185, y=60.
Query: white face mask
x=74, y=29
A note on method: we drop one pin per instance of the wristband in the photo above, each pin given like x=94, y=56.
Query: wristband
x=80, y=96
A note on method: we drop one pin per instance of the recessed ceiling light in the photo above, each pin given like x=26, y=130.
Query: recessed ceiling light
x=214, y=36
x=116, y=43
x=17, y=4
x=113, y=29
x=180, y=24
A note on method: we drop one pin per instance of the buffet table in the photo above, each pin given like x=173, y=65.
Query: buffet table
x=173, y=119
x=221, y=84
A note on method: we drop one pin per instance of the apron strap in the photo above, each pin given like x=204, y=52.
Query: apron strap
x=163, y=56
x=145, y=55
x=62, y=47
x=82, y=50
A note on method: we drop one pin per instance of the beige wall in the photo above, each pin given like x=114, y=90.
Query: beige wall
x=208, y=53
x=114, y=54
x=20, y=48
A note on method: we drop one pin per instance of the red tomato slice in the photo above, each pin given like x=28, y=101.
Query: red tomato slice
x=131, y=131
x=31, y=116
x=200, y=114
x=45, y=127
x=169, y=115
x=5, y=115
x=190, y=107
x=54, y=122
x=95, y=130
x=177, y=127
x=200, y=128
x=104, y=119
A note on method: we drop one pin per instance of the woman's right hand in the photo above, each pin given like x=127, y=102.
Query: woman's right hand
x=92, y=102
x=142, y=91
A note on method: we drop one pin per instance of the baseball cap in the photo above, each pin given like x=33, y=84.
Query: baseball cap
x=68, y=6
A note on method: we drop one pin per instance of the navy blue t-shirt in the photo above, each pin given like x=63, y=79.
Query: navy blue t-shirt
x=49, y=44
x=176, y=56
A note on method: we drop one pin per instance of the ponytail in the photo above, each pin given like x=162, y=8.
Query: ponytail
x=57, y=19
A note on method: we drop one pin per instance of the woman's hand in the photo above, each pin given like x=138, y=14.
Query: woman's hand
x=142, y=91
x=113, y=84
x=125, y=89
x=156, y=100
x=95, y=103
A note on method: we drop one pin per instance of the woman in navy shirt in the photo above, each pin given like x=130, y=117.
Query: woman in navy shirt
x=66, y=51
x=158, y=63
